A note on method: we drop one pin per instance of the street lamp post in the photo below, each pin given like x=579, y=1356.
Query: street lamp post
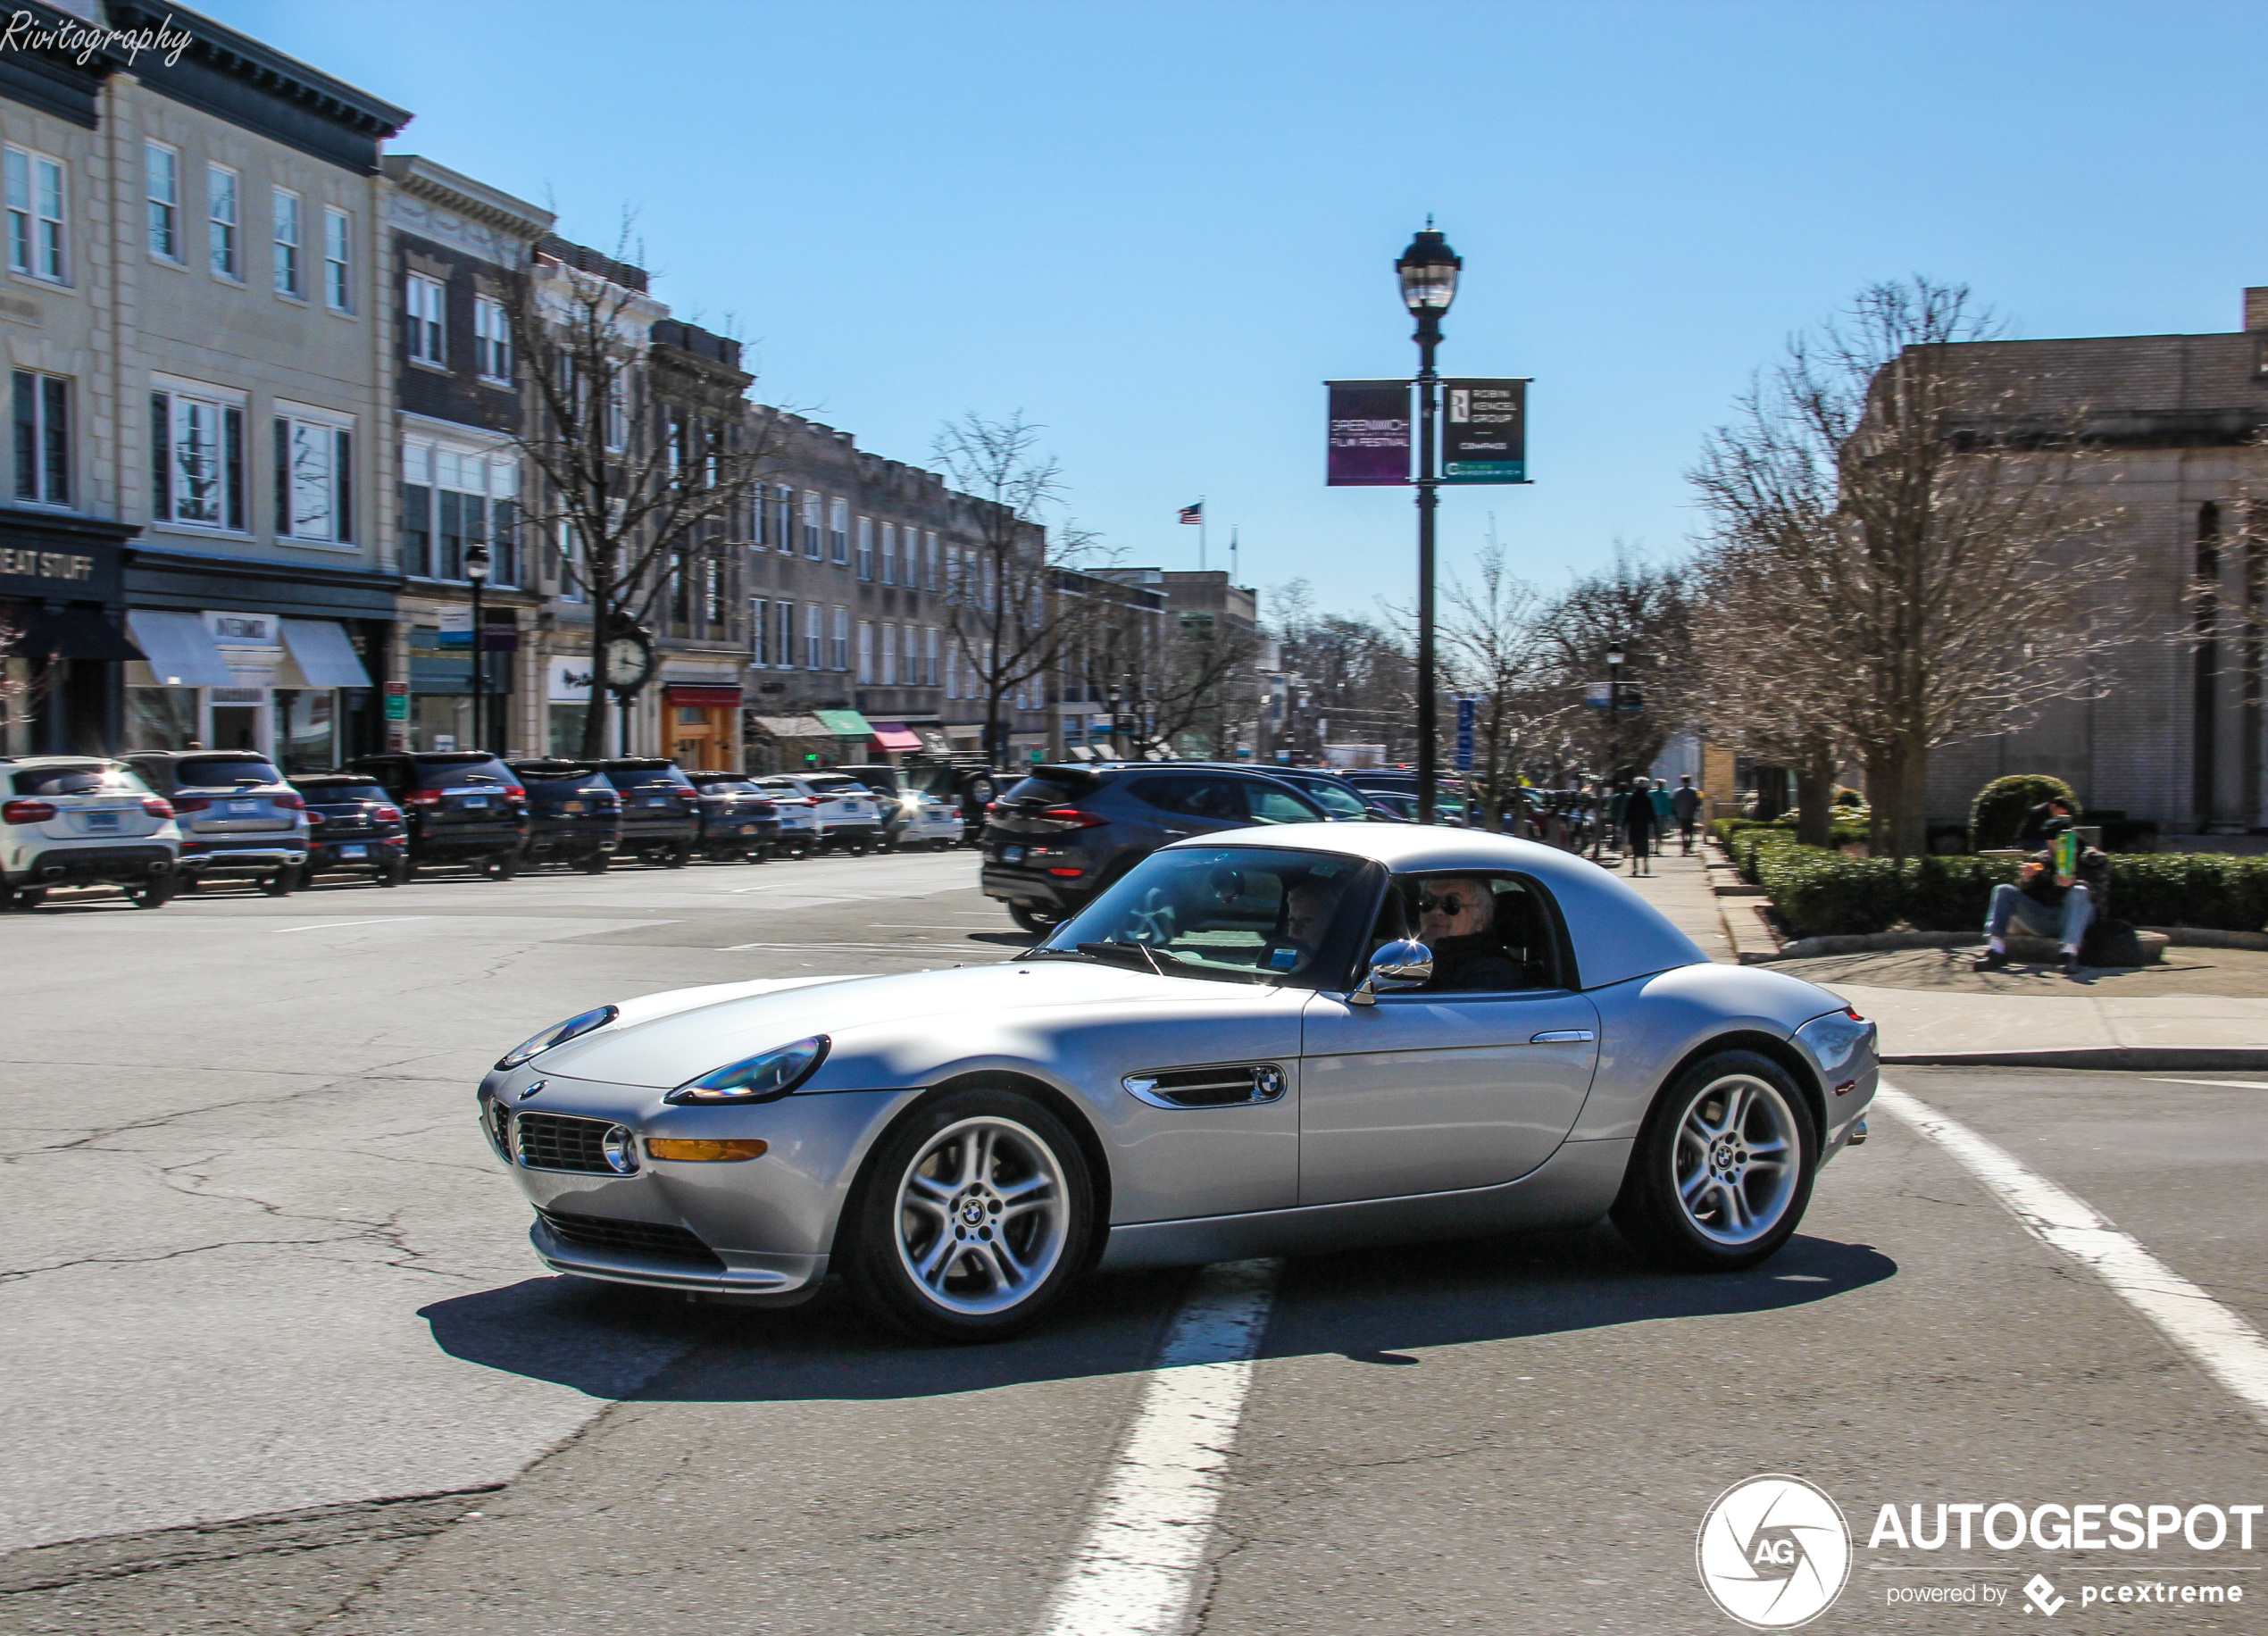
x=476, y=570
x=1428, y=274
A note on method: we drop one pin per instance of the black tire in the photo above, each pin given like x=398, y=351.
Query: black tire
x=390, y=874
x=504, y=866
x=596, y=864
x=1685, y=1194
x=150, y=894
x=678, y=856
x=280, y=883
x=29, y=897
x=1033, y=918
x=965, y=1301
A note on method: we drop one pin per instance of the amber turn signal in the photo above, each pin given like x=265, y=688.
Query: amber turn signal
x=668, y=1148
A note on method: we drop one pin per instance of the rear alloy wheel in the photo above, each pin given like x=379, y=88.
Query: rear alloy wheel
x=1723, y=1171
x=1034, y=919
x=972, y=1218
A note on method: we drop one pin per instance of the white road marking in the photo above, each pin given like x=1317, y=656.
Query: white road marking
x=2219, y=1341
x=383, y=920
x=1136, y=1566
x=2232, y=1084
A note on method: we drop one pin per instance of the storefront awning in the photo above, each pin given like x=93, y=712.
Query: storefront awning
x=180, y=650
x=701, y=693
x=325, y=655
x=846, y=724
x=895, y=736
x=72, y=633
x=792, y=727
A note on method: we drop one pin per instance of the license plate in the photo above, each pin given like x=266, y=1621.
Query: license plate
x=1012, y=855
x=659, y=801
x=353, y=852
x=102, y=821
x=476, y=800
x=571, y=806
x=244, y=807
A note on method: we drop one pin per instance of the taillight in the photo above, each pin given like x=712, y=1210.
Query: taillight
x=387, y=815
x=158, y=806
x=992, y=809
x=1071, y=817
x=288, y=802
x=515, y=792
x=424, y=798
x=191, y=804
x=314, y=818
x=26, y=811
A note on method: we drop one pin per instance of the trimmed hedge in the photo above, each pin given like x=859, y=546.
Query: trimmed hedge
x=1820, y=893
x=1998, y=812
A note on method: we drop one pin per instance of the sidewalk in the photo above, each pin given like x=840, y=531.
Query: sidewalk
x=2051, y=1024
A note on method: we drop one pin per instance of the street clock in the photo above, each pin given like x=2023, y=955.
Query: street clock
x=629, y=660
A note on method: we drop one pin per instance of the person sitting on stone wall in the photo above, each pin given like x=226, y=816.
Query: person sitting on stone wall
x=2047, y=905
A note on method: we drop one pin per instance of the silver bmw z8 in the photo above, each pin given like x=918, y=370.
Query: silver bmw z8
x=1276, y=1040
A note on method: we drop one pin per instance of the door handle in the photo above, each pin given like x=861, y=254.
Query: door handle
x=1565, y=1035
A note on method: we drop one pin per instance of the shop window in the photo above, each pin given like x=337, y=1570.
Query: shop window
x=315, y=465
x=42, y=438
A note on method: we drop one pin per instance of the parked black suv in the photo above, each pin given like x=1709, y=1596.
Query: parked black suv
x=574, y=815
x=1060, y=836
x=660, y=810
x=238, y=819
x=463, y=807
x=352, y=824
x=737, y=820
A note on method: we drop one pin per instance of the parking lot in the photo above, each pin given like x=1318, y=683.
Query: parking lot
x=261, y=1265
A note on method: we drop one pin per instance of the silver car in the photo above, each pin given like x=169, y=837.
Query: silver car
x=1268, y=1041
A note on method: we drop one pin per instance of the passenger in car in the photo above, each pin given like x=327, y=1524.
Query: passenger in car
x=1456, y=920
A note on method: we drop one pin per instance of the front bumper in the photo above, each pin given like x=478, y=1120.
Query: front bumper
x=1842, y=1050
x=764, y=1226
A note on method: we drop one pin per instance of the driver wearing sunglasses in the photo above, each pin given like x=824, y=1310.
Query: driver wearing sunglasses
x=1456, y=920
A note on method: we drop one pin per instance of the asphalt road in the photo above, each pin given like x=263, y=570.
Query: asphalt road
x=274, y=1357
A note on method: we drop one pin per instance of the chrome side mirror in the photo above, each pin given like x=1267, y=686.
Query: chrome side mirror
x=1404, y=965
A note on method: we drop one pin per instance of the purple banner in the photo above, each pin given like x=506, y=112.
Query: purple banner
x=1369, y=432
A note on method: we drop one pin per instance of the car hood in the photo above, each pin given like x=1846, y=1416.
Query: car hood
x=664, y=1040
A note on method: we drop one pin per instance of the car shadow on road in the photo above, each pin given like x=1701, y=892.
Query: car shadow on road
x=1371, y=1305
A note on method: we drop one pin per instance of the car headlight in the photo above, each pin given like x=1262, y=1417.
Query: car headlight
x=757, y=1079
x=558, y=1033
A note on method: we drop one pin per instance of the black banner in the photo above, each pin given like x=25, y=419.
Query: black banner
x=1484, y=432
x=1370, y=433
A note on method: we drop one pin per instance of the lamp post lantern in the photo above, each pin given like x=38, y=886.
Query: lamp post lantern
x=476, y=570
x=1428, y=270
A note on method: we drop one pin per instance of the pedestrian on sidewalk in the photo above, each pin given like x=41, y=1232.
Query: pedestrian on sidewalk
x=1685, y=803
x=1663, y=811
x=2046, y=905
x=1638, y=825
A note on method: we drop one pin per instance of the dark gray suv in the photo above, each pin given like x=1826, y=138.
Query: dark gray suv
x=1062, y=834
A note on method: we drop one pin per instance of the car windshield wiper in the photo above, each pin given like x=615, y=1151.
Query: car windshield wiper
x=1151, y=957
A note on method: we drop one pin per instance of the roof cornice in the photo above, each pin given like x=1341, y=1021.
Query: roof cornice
x=421, y=178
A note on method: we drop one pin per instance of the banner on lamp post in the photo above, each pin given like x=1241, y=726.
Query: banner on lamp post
x=1484, y=432
x=1370, y=433
x=455, y=626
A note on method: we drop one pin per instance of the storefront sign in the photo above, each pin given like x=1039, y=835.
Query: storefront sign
x=567, y=681
x=456, y=625
x=1484, y=432
x=244, y=629
x=63, y=570
x=1370, y=433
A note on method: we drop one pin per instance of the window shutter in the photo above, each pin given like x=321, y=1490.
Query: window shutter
x=343, y=477
x=232, y=436
x=160, y=462
x=283, y=477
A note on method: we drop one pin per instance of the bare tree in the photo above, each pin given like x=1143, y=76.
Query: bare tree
x=1493, y=652
x=644, y=474
x=1646, y=608
x=1356, y=676
x=1013, y=621
x=1204, y=680
x=1895, y=480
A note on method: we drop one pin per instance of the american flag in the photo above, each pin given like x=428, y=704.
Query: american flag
x=1193, y=513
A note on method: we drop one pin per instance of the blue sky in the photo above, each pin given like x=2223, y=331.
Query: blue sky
x=1156, y=227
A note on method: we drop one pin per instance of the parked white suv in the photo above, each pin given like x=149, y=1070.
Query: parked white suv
x=848, y=817
x=81, y=820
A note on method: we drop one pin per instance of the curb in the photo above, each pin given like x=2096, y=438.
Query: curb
x=2131, y=1059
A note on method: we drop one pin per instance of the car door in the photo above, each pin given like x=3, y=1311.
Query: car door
x=1428, y=1092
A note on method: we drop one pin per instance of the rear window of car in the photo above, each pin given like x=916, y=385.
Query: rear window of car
x=648, y=778
x=226, y=773
x=839, y=786
x=449, y=774
x=725, y=787
x=1040, y=792
x=92, y=780
x=332, y=795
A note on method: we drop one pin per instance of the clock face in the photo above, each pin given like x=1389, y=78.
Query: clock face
x=626, y=661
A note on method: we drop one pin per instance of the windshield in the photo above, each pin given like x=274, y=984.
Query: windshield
x=1253, y=913
x=226, y=773
x=93, y=780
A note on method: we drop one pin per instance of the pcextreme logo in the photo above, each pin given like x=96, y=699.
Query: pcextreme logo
x=1773, y=1552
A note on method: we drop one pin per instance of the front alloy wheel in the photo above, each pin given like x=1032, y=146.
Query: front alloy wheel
x=973, y=1218
x=1723, y=1170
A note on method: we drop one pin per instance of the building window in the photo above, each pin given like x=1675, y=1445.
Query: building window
x=453, y=500
x=492, y=340
x=221, y=212
x=839, y=530
x=866, y=547
x=570, y=559
x=814, y=525
x=618, y=413
x=759, y=632
x=889, y=655
x=314, y=479
x=163, y=172
x=783, y=518
x=865, y=650
x=784, y=648
x=287, y=243
x=936, y=560
x=42, y=438
x=36, y=215
x=337, y=240
x=931, y=677
x=840, y=658
x=814, y=638
x=197, y=467
x=890, y=555
x=423, y=322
